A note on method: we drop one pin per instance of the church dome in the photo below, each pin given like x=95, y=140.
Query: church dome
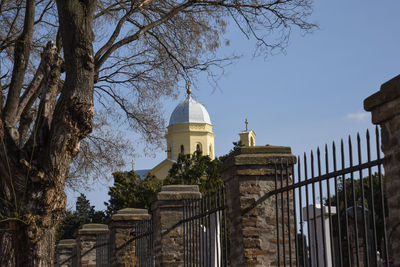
x=189, y=110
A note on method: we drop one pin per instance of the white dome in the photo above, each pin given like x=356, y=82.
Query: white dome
x=189, y=110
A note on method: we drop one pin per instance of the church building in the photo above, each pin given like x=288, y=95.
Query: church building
x=189, y=130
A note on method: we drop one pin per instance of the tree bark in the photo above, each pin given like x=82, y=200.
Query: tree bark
x=33, y=177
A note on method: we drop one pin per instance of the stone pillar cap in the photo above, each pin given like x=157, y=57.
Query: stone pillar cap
x=268, y=149
x=389, y=90
x=131, y=214
x=93, y=228
x=178, y=192
x=132, y=211
x=66, y=243
x=180, y=188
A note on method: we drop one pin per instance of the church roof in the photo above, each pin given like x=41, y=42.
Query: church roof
x=189, y=110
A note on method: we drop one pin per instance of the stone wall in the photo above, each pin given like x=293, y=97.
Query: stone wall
x=65, y=251
x=249, y=177
x=168, y=232
x=87, y=241
x=123, y=228
x=385, y=108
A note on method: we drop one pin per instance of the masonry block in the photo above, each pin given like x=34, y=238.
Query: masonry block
x=248, y=177
x=167, y=209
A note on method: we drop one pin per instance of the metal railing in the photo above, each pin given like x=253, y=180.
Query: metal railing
x=331, y=215
x=205, y=231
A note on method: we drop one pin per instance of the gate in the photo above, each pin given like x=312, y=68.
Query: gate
x=205, y=231
x=139, y=250
x=334, y=212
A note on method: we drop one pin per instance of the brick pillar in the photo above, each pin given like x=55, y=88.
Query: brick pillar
x=122, y=229
x=248, y=177
x=66, y=248
x=385, y=108
x=167, y=211
x=87, y=240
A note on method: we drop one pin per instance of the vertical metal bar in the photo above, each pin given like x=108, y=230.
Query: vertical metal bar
x=196, y=239
x=283, y=218
x=372, y=195
x=218, y=241
x=321, y=198
x=225, y=229
x=314, y=210
x=136, y=241
x=192, y=234
x=140, y=242
x=337, y=207
x=149, y=254
x=277, y=216
x=209, y=229
x=189, y=236
x=308, y=210
x=141, y=245
x=345, y=203
x=332, y=251
x=366, y=250
x=378, y=154
x=184, y=233
x=296, y=244
x=203, y=250
x=288, y=214
x=303, y=246
x=152, y=242
x=354, y=203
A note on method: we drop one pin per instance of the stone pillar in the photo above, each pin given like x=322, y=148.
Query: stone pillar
x=122, y=230
x=87, y=240
x=248, y=177
x=167, y=211
x=385, y=108
x=65, y=252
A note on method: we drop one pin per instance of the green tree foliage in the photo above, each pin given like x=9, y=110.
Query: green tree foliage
x=372, y=196
x=195, y=169
x=73, y=220
x=376, y=198
x=131, y=191
x=234, y=151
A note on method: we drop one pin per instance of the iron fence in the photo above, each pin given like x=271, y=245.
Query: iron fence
x=334, y=212
x=144, y=244
x=139, y=248
x=103, y=249
x=205, y=231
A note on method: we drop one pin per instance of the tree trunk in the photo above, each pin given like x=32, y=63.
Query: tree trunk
x=32, y=177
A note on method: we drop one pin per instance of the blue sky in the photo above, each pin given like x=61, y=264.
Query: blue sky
x=308, y=96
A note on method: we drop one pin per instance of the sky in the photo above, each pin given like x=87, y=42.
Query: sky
x=310, y=95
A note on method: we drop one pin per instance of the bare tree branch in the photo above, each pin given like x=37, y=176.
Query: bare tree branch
x=21, y=54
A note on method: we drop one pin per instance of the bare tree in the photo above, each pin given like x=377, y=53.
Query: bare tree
x=118, y=58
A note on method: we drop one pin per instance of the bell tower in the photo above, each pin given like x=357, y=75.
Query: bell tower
x=189, y=130
x=248, y=138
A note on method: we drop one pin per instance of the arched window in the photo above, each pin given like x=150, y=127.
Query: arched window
x=182, y=150
x=198, y=147
x=251, y=141
x=210, y=152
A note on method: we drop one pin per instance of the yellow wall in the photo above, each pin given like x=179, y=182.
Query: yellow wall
x=188, y=135
x=248, y=138
x=162, y=169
